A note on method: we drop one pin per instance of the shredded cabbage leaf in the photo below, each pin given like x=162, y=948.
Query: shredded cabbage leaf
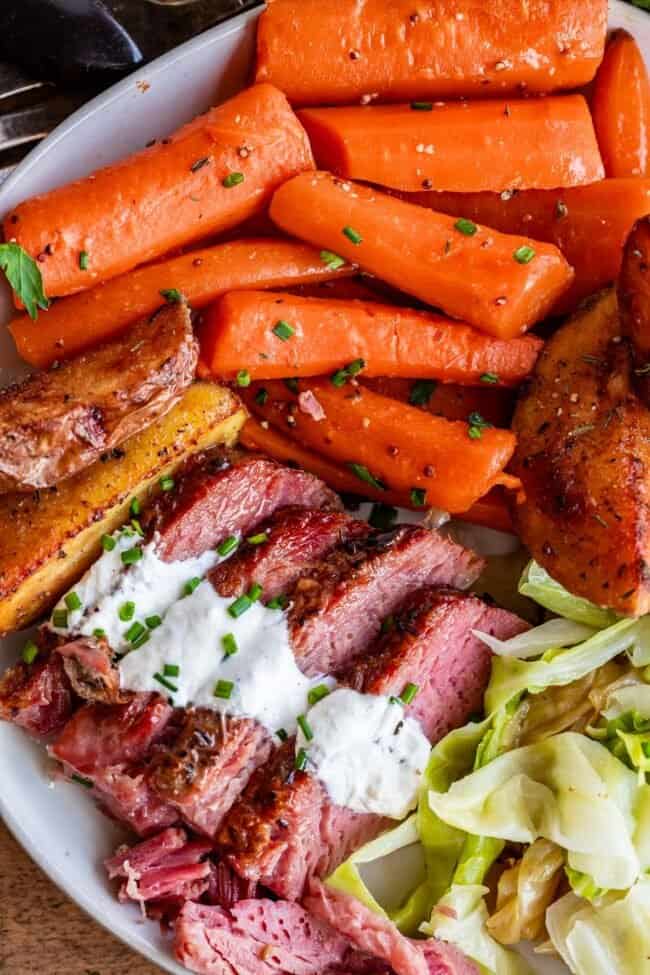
x=537, y=584
x=551, y=635
x=524, y=891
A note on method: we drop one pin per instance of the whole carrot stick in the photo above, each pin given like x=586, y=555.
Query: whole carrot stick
x=89, y=317
x=538, y=143
x=212, y=174
x=500, y=284
x=589, y=224
x=621, y=108
x=326, y=54
x=493, y=401
x=275, y=335
x=389, y=446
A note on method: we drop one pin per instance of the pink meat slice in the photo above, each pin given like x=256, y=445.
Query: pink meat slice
x=37, y=696
x=123, y=793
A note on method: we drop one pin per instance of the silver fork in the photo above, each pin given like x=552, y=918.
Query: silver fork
x=29, y=110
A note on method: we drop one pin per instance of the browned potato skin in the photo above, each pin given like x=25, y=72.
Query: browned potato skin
x=583, y=456
x=634, y=302
x=49, y=538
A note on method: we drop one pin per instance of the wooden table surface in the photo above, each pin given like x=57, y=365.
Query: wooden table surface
x=43, y=933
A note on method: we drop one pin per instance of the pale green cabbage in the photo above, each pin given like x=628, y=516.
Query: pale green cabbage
x=537, y=584
x=548, y=636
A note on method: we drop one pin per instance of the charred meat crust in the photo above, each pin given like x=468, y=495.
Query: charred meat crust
x=58, y=422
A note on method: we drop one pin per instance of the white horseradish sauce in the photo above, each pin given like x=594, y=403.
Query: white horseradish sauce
x=369, y=756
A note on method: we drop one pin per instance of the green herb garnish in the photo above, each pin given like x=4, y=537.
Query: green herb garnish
x=364, y=475
x=23, y=274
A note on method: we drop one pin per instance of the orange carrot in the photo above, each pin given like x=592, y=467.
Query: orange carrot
x=494, y=402
x=74, y=323
x=589, y=224
x=389, y=446
x=621, y=108
x=326, y=54
x=492, y=511
x=500, y=284
x=212, y=174
x=275, y=335
x=538, y=143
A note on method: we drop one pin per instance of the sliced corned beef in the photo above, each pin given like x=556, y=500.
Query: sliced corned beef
x=36, y=696
x=227, y=495
x=145, y=855
x=168, y=865
x=263, y=937
x=205, y=768
x=338, y=607
x=379, y=937
x=98, y=736
x=281, y=549
x=123, y=793
x=284, y=829
x=88, y=662
x=226, y=888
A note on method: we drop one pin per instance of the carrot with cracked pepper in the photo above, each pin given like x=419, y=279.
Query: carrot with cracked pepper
x=491, y=398
x=210, y=175
x=621, y=108
x=326, y=54
x=589, y=224
x=535, y=143
x=388, y=446
x=91, y=317
x=240, y=333
x=500, y=284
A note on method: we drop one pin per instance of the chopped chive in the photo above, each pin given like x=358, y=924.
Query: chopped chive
x=240, y=606
x=60, y=619
x=418, y=497
x=223, y=689
x=283, y=330
x=165, y=683
x=364, y=475
x=72, y=601
x=135, y=631
x=421, y=392
x=132, y=555
x=166, y=483
x=422, y=106
x=141, y=640
x=172, y=295
x=126, y=611
x=199, y=164
x=191, y=585
x=80, y=780
x=229, y=644
x=137, y=527
x=254, y=592
x=477, y=425
x=278, y=602
x=108, y=543
x=333, y=261
x=135, y=508
x=228, y=545
x=317, y=694
x=382, y=516
x=341, y=376
x=171, y=670
x=467, y=227
x=261, y=396
x=232, y=179
x=396, y=700
x=282, y=735
x=353, y=235
x=99, y=633
x=153, y=622
x=524, y=254
x=243, y=378
x=409, y=693
x=300, y=763
x=257, y=539
x=305, y=727
x=292, y=385
x=30, y=652
x=83, y=260
x=491, y=378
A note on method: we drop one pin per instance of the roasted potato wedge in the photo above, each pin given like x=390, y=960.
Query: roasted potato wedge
x=584, y=459
x=49, y=538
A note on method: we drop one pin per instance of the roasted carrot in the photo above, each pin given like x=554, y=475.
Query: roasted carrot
x=275, y=335
x=92, y=316
x=588, y=224
x=500, y=284
x=492, y=511
x=212, y=174
x=364, y=50
x=493, y=401
x=388, y=445
x=535, y=143
x=621, y=108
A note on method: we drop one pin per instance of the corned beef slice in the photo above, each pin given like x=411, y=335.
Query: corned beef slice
x=284, y=829
x=37, y=696
x=212, y=501
x=88, y=662
x=263, y=937
x=123, y=793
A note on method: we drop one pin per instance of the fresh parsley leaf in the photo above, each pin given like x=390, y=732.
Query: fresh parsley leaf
x=24, y=276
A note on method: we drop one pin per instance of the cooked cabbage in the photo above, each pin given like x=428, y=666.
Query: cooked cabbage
x=524, y=891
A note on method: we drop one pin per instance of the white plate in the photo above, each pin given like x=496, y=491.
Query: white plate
x=59, y=826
